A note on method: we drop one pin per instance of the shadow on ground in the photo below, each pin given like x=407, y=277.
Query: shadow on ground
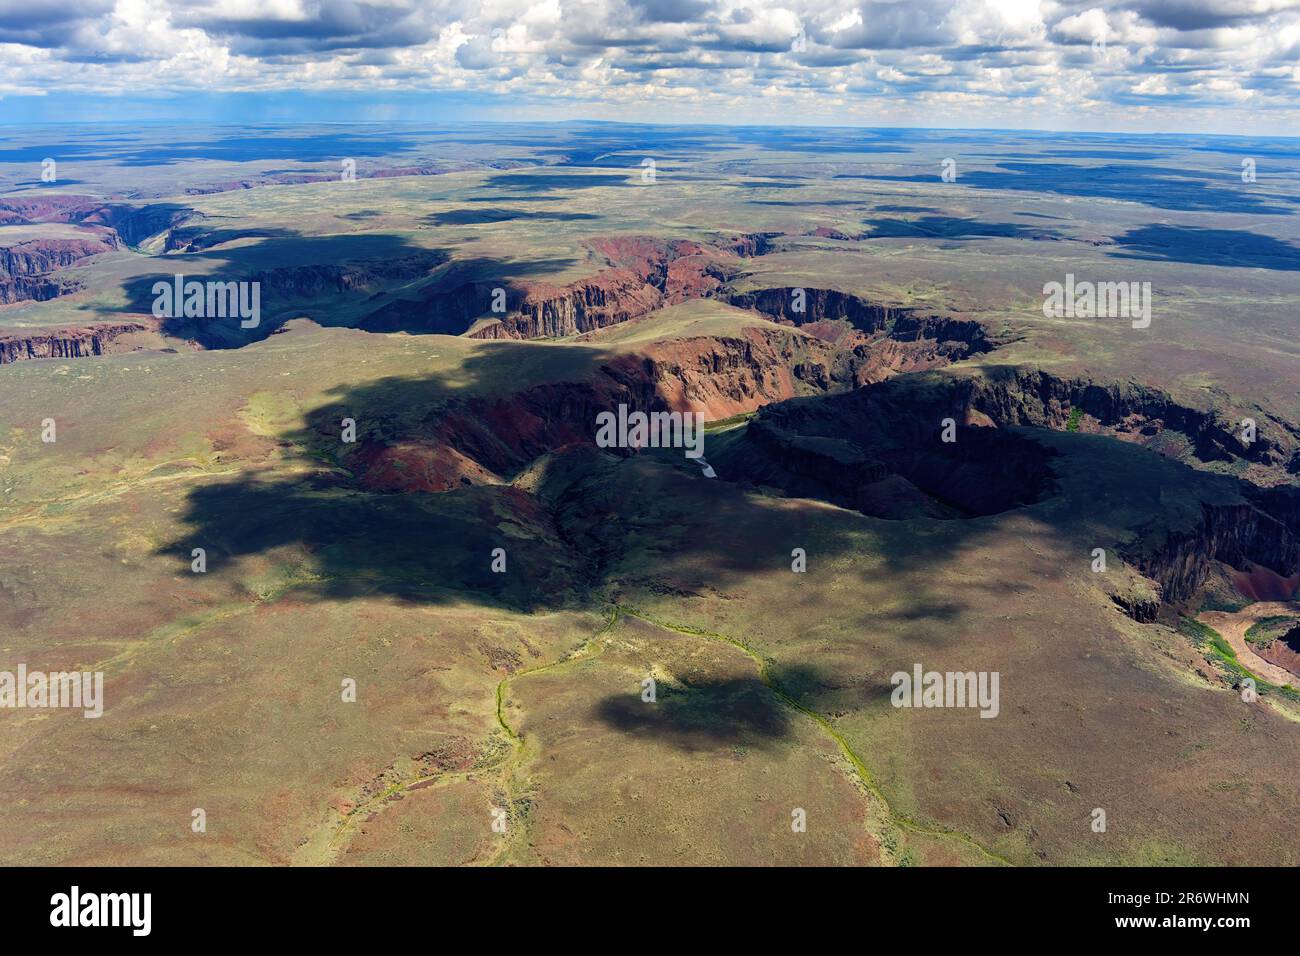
x=701, y=715
x=1209, y=247
x=376, y=281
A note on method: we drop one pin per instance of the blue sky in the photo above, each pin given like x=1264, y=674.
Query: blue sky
x=1219, y=66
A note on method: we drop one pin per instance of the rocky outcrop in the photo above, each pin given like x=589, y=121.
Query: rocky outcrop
x=32, y=289
x=644, y=274
x=1132, y=412
x=26, y=267
x=1284, y=651
x=39, y=256
x=875, y=450
x=848, y=320
x=609, y=298
x=65, y=343
x=490, y=439
x=1237, y=535
x=44, y=207
x=134, y=224
x=798, y=306
x=841, y=448
x=308, y=281
x=1142, y=609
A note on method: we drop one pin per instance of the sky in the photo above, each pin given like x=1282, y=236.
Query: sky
x=1209, y=66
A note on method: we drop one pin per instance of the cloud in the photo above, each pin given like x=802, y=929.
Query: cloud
x=971, y=60
x=893, y=25
x=1207, y=14
x=310, y=26
x=670, y=11
x=46, y=24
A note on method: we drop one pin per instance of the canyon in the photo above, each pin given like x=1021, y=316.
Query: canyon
x=837, y=342
x=395, y=478
x=28, y=267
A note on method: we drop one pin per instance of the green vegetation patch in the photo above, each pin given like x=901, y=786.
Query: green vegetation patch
x=1219, y=652
x=1268, y=629
x=722, y=424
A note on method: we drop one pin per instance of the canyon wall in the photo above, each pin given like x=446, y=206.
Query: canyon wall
x=65, y=343
x=27, y=267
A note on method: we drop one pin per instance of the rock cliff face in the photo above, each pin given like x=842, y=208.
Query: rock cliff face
x=751, y=244
x=47, y=207
x=719, y=376
x=1262, y=531
x=488, y=440
x=1281, y=501
x=902, y=340
x=1007, y=395
x=801, y=306
x=26, y=267
x=862, y=450
x=871, y=449
x=609, y=298
x=874, y=449
x=1129, y=411
x=447, y=309
x=39, y=256
x=66, y=343
x=723, y=376
x=308, y=281
x=128, y=222
x=288, y=292
x=31, y=289
x=134, y=224
x=1236, y=535
x=644, y=274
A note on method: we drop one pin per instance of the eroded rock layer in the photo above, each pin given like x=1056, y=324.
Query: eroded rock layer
x=65, y=343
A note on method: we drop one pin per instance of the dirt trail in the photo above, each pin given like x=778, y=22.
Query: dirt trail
x=1233, y=625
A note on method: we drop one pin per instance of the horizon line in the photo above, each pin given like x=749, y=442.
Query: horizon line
x=451, y=124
